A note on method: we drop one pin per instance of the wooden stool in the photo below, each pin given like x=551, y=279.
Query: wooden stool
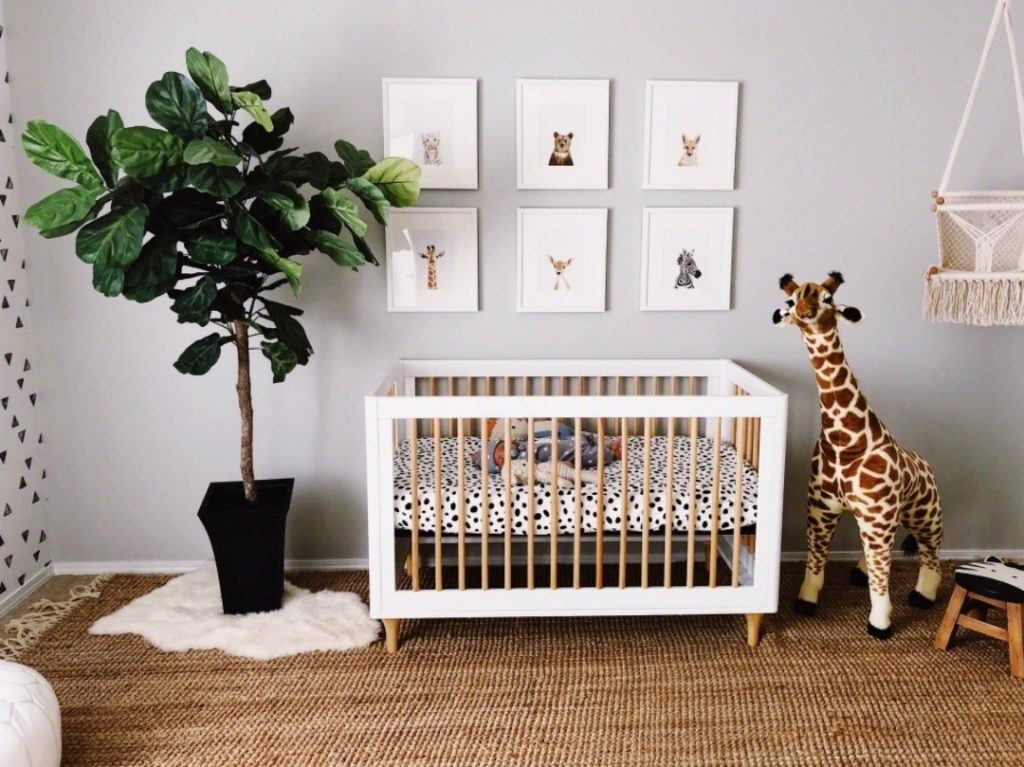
x=979, y=586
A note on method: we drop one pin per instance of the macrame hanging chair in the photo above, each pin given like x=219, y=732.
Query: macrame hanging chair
x=980, y=276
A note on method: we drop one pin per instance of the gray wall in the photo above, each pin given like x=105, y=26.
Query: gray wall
x=847, y=113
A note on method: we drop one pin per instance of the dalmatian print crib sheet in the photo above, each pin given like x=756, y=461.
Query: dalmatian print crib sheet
x=613, y=505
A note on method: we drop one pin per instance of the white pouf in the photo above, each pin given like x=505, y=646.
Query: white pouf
x=29, y=718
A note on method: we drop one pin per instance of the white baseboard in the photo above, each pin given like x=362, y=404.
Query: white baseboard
x=9, y=601
x=174, y=566
x=161, y=567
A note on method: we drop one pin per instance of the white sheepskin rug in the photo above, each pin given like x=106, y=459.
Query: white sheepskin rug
x=185, y=614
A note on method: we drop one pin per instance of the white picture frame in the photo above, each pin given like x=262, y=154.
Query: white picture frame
x=706, y=114
x=433, y=122
x=446, y=239
x=666, y=284
x=578, y=112
x=562, y=259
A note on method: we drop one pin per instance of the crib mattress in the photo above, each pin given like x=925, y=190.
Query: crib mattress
x=613, y=496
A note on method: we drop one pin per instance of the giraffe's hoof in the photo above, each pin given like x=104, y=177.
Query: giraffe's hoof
x=878, y=633
x=920, y=601
x=803, y=607
x=859, y=578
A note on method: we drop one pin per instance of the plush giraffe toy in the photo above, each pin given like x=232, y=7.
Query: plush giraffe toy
x=857, y=466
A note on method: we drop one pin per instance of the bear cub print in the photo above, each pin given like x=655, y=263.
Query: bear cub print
x=562, y=154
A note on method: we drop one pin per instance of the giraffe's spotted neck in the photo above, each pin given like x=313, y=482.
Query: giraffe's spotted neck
x=848, y=424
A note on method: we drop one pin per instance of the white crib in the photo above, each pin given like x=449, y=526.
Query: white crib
x=702, y=446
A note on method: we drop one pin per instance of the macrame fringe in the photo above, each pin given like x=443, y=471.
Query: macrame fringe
x=24, y=631
x=974, y=302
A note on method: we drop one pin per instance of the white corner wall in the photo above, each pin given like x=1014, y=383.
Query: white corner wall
x=847, y=113
x=24, y=549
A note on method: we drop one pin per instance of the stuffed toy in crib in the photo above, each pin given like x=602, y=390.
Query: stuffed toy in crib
x=565, y=447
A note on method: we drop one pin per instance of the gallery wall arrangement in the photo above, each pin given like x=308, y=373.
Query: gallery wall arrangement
x=563, y=143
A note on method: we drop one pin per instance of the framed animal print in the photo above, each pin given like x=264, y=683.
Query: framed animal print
x=432, y=260
x=433, y=122
x=562, y=134
x=686, y=263
x=690, y=135
x=562, y=259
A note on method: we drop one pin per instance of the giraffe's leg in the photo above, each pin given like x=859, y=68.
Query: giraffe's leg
x=925, y=524
x=822, y=518
x=877, y=526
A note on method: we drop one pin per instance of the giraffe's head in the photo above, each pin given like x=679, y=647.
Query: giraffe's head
x=811, y=307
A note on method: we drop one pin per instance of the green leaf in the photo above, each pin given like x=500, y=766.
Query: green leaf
x=290, y=203
x=193, y=305
x=398, y=178
x=357, y=161
x=143, y=151
x=282, y=359
x=212, y=249
x=61, y=231
x=261, y=88
x=339, y=251
x=200, y=356
x=365, y=249
x=372, y=197
x=216, y=181
x=154, y=272
x=344, y=210
x=53, y=150
x=108, y=279
x=211, y=76
x=210, y=150
x=265, y=141
x=98, y=140
x=114, y=239
x=324, y=172
x=186, y=208
x=289, y=331
x=63, y=207
x=252, y=104
x=250, y=231
x=175, y=102
x=290, y=269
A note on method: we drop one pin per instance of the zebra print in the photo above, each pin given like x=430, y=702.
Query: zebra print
x=688, y=271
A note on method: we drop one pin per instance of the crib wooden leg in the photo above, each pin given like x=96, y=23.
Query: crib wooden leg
x=754, y=628
x=391, y=626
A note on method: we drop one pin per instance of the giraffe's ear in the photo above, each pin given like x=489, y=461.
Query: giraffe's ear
x=788, y=284
x=849, y=313
x=833, y=281
x=782, y=318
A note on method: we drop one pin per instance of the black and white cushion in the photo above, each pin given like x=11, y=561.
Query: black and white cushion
x=993, y=578
x=613, y=503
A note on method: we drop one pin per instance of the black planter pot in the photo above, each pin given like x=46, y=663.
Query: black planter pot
x=248, y=542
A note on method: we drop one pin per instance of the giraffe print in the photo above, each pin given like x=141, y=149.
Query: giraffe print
x=432, y=255
x=858, y=467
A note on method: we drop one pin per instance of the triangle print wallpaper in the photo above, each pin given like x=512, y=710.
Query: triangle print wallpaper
x=24, y=551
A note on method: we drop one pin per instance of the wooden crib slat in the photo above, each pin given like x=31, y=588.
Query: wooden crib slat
x=526, y=386
x=577, y=541
x=599, y=539
x=556, y=504
x=636, y=393
x=645, y=543
x=451, y=393
x=716, y=477
x=531, y=523
x=670, y=502
x=564, y=386
x=485, y=508
x=756, y=462
x=438, y=505
x=507, y=467
x=415, y=473
x=460, y=452
x=691, y=530
x=624, y=516
x=737, y=503
x=618, y=393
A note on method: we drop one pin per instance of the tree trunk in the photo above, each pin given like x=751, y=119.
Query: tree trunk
x=244, y=389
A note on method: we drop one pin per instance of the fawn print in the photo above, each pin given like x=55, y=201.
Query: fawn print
x=560, y=267
x=431, y=256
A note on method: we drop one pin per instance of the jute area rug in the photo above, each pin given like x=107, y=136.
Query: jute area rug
x=601, y=691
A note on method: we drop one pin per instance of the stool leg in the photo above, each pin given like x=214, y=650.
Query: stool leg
x=948, y=625
x=391, y=634
x=1015, y=628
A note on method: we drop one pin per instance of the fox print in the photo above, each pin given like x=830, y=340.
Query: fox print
x=689, y=156
x=688, y=271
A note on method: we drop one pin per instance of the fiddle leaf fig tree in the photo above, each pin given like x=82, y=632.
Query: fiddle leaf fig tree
x=213, y=215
